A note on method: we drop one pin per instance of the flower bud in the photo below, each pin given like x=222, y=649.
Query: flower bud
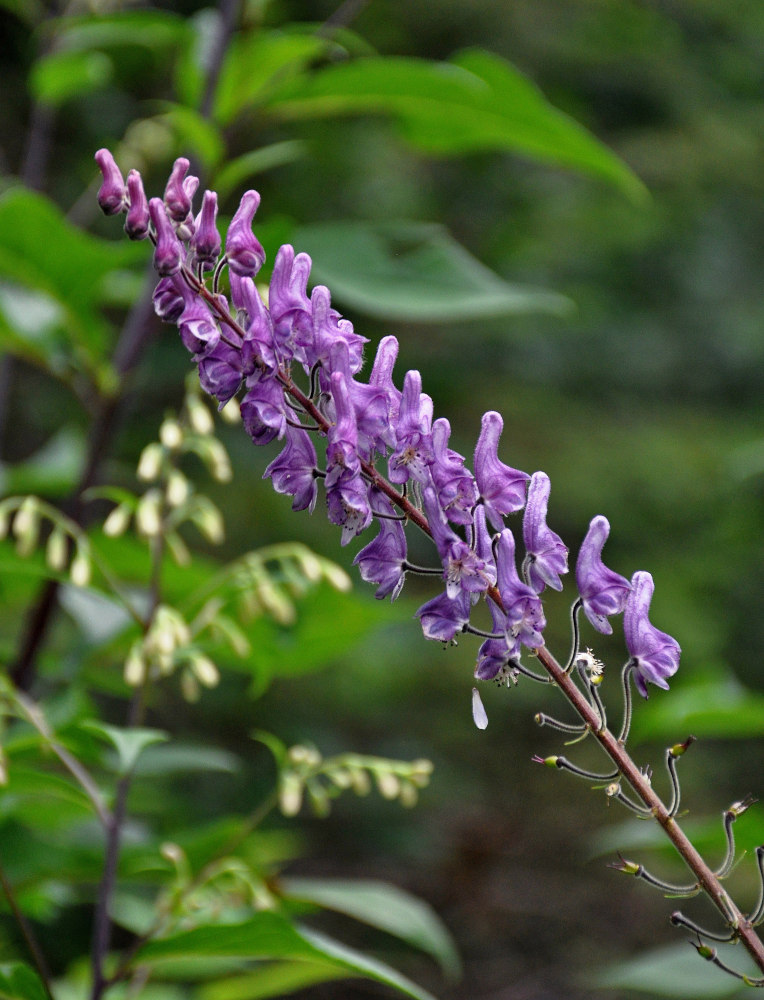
x=135, y=670
x=176, y=197
x=112, y=195
x=150, y=462
x=148, y=514
x=171, y=434
x=56, y=550
x=138, y=218
x=168, y=252
x=178, y=489
x=79, y=571
x=117, y=521
x=206, y=241
x=199, y=416
x=290, y=795
x=26, y=526
x=243, y=250
x=205, y=670
x=388, y=784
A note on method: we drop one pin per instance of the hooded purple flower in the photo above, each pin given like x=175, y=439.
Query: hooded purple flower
x=263, y=410
x=112, y=195
x=547, y=554
x=243, y=250
x=346, y=492
x=603, y=591
x=654, y=655
x=168, y=252
x=177, y=195
x=463, y=569
x=138, y=218
x=525, y=616
x=443, y=618
x=369, y=402
x=496, y=656
x=383, y=560
x=328, y=331
x=413, y=444
x=293, y=471
x=455, y=484
x=382, y=378
x=206, y=239
x=502, y=489
x=288, y=302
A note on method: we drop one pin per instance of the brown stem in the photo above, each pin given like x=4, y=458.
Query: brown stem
x=616, y=751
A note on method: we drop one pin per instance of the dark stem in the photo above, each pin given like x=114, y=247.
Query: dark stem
x=28, y=934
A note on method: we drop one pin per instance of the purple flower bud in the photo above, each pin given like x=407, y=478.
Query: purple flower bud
x=463, y=569
x=205, y=242
x=525, y=616
x=346, y=492
x=288, y=301
x=257, y=323
x=654, y=655
x=168, y=252
x=328, y=330
x=497, y=657
x=382, y=377
x=443, y=618
x=243, y=250
x=413, y=444
x=383, y=560
x=220, y=372
x=603, y=591
x=137, y=220
x=294, y=470
x=198, y=330
x=547, y=555
x=176, y=196
x=502, y=489
x=457, y=493
x=112, y=195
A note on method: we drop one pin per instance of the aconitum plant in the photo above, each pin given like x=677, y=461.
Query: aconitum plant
x=381, y=459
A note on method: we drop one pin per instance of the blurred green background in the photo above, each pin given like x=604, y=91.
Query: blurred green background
x=642, y=402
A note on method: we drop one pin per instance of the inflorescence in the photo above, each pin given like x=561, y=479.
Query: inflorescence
x=293, y=361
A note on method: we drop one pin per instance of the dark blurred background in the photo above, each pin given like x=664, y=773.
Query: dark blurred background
x=643, y=404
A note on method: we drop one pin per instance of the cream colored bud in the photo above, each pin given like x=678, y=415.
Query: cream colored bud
x=150, y=462
x=290, y=795
x=205, y=670
x=361, y=781
x=79, y=571
x=276, y=603
x=231, y=412
x=388, y=784
x=57, y=550
x=199, y=417
x=312, y=567
x=209, y=520
x=171, y=434
x=135, y=671
x=178, y=488
x=220, y=463
x=117, y=521
x=173, y=853
x=337, y=577
x=26, y=526
x=148, y=514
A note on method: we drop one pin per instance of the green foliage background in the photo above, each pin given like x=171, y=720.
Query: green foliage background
x=623, y=346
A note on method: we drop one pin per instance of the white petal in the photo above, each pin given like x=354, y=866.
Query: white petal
x=478, y=712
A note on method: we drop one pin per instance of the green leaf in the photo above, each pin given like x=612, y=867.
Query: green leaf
x=268, y=935
x=60, y=76
x=20, y=982
x=236, y=172
x=129, y=743
x=271, y=979
x=41, y=251
x=715, y=706
x=414, y=271
x=383, y=906
x=182, y=758
x=150, y=29
x=257, y=62
x=478, y=101
x=677, y=971
x=42, y=800
x=192, y=131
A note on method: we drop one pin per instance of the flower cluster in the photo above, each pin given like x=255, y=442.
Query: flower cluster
x=255, y=350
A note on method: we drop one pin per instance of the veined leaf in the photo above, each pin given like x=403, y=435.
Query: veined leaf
x=477, y=101
x=414, y=271
x=129, y=743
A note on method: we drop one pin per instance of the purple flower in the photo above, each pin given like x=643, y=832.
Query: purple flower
x=198, y=330
x=654, y=655
x=455, y=484
x=383, y=560
x=168, y=252
x=169, y=298
x=502, y=489
x=497, y=656
x=443, y=618
x=263, y=410
x=256, y=320
x=138, y=218
x=382, y=378
x=463, y=569
x=369, y=402
x=206, y=239
x=176, y=195
x=603, y=591
x=288, y=300
x=346, y=492
x=547, y=554
x=294, y=470
x=112, y=194
x=243, y=250
x=329, y=331
x=525, y=616
x=413, y=445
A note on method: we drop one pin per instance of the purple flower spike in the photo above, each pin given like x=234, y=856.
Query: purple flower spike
x=242, y=248
x=294, y=471
x=547, y=554
x=442, y=618
x=168, y=252
x=603, y=591
x=138, y=218
x=654, y=655
x=382, y=561
x=525, y=616
x=206, y=239
x=176, y=195
x=502, y=488
x=112, y=195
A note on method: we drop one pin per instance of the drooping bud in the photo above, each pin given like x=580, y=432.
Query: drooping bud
x=138, y=218
x=112, y=195
x=168, y=253
x=176, y=195
x=242, y=248
x=206, y=240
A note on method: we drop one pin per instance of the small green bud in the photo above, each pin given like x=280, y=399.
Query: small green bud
x=199, y=417
x=290, y=794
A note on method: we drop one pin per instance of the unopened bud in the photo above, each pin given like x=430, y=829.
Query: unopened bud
x=208, y=520
x=57, y=550
x=150, y=462
x=79, y=571
x=171, y=434
x=290, y=795
x=177, y=488
x=679, y=748
x=26, y=526
x=205, y=670
x=148, y=514
x=388, y=784
x=117, y=521
x=337, y=577
x=199, y=417
x=135, y=666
